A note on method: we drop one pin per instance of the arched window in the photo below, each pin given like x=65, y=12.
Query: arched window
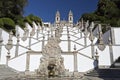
x=70, y=19
x=57, y=18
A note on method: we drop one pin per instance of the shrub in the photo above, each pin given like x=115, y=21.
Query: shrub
x=32, y=18
x=8, y=24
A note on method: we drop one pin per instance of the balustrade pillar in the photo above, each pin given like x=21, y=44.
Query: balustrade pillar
x=85, y=40
x=69, y=41
x=17, y=46
x=9, y=46
x=69, y=44
x=91, y=38
x=111, y=51
x=30, y=41
x=27, y=63
x=43, y=42
x=75, y=59
x=37, y=36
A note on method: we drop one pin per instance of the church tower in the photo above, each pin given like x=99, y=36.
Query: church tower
x=57, y=18
x=70, y=18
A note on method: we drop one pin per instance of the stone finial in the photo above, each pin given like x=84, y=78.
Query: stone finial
x=32, y=33
x=96, y=60
x=70, y=12
x=96, y=55
x=81, y=25
x=18, y=37
x=109, y=40
x=101, y=45
x=26, y=33
x=99, y=27
x=9, y=46
x=74, y=47
x=48, y=34
x=92, y=25
x=86, y=25
x=91, y=36
x=57, y=13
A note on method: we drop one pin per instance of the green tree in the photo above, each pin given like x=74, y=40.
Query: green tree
x=117, y=2
x=7, y=24
x=107, y=9
x=11, y=13
x=30, y=18
x=12, y=8
x=108, y=12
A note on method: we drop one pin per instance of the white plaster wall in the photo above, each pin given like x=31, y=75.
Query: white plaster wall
x=116, y=52
x=86, y=51
x=19, y=31
x=84, y=63
x=5, y=36
x=81, y=41
x=88, y=41
x=104, y=57
x=68, y=62
x=73, y=38
x=22, y=50
x=72, y=33
x=77, y=46
x=64, y=31
x=78, y=35
x=117, y=35
x=3, y=55
x=37, y=47
x=34, y=62
x=18, y=63
x=24, y=43
x=64, y=37
x=28, y=26
x=64, y=46
x=33, y=40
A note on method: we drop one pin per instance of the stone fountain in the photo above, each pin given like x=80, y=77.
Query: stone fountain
x=52, y=63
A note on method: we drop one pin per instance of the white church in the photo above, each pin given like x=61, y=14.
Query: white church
x=63, y=50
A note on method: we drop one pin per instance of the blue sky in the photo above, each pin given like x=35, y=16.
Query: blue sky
x=46, y=9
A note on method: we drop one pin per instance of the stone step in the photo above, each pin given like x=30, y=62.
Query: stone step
x=106, y=73
x=6, y=72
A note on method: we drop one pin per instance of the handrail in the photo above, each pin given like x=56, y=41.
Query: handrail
x=77, y=43
x=86, y=56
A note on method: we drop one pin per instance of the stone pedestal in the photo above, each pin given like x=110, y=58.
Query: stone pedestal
x=27, y=73
x=75, y=74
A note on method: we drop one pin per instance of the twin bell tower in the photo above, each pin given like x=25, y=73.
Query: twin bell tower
x=59, y=22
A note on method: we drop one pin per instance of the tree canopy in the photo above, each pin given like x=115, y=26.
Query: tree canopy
x=108, y=12
x=11, y=13
x=12, y=8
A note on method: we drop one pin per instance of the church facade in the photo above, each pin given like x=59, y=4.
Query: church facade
x=59, y=22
